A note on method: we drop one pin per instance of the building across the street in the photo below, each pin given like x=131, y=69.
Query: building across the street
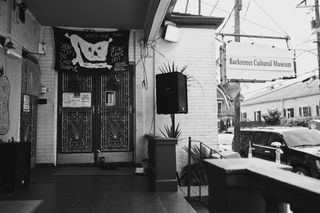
x=294, y=99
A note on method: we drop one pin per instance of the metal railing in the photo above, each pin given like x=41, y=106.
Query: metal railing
x=202, y=147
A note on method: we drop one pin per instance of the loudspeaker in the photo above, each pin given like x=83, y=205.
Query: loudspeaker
x=171, y=93
x=171, y=33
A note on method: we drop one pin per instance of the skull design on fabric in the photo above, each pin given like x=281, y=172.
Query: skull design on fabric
x=89, y=55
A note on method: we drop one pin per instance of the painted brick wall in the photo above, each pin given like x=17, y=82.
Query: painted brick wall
x=24, y=35
x=197, y=50
x=47, y=113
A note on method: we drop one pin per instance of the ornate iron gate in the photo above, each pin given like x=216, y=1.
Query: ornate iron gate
x=95, y=114
x=114, y=108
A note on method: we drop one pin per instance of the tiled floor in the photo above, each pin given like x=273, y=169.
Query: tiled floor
x=52, y=193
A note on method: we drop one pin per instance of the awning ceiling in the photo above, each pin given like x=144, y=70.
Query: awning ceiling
x=122, y=14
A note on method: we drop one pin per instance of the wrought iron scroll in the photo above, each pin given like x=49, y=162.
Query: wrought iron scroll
x=115, y=119
x=76, y=122
x=77, y=130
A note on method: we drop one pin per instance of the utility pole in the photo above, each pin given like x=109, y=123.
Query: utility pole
x=238, y=7
x=316, y=2
x=316, y=5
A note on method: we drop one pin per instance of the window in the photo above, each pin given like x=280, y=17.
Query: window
x=257, y=116
x=261, y=138
x=243, y=116
x=300, y=111
x=219, y=106
x=306, y=111
x=284, y=113
x=290, y=113
x=317, y=110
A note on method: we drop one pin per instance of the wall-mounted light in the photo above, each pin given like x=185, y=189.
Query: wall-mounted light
x=6, y=42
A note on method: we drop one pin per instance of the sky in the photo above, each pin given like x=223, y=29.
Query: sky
x=269, y=18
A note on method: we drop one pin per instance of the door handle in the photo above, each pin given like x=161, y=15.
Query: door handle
x=267, y=151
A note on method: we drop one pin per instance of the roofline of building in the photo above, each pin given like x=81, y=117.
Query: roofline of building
x=195, y=21
x=281, y=99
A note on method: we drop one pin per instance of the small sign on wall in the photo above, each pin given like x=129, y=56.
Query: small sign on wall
x=72, y=100
x=26, y=103
x=110, y=98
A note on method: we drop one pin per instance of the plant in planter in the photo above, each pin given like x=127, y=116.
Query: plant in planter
x=198, y=174
x=172, y=68
x=170, y=131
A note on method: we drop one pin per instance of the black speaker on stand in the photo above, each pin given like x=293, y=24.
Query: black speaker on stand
x=171, y=93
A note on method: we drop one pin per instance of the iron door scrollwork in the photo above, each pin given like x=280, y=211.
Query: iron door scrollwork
x=114, y=112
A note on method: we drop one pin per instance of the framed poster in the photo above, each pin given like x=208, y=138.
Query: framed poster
x=77, y=101
x=110, y=98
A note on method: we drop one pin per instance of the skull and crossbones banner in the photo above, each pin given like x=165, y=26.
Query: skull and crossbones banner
x=91, y=51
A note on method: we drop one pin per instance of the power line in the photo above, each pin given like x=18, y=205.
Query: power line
x=244, y=19
x=214, y=7
x=187, y=4
x=265, y=12
x=283, y=81
x=273, y=91
x=304, y=51
x=225, y=23
x=248, y=5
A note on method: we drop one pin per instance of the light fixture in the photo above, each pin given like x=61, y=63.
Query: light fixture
x=9, y=44
x=6, y=42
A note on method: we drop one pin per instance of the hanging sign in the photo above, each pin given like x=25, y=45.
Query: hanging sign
x=257, y=62
x=88, y=51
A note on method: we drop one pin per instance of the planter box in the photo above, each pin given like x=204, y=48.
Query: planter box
x=162, y=163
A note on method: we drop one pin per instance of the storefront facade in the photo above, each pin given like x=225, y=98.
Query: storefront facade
x=82, y=116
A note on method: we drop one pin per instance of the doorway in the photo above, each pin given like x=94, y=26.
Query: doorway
x=95, y=117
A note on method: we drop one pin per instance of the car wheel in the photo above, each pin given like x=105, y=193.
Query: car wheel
x=301, y=171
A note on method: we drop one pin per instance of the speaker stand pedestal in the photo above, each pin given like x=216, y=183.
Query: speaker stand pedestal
x=173, y=124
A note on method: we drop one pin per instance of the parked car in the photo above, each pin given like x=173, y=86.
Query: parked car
x=300, y=147
x=314, y=124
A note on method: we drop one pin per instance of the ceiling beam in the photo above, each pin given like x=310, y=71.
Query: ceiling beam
x=156, y=13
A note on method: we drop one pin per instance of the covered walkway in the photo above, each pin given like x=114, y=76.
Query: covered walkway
x=87, y=189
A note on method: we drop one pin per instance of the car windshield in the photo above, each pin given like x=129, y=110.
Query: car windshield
x=302, y=137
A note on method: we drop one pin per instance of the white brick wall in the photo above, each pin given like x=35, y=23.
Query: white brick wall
x=47, y=113
x=195, y=49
